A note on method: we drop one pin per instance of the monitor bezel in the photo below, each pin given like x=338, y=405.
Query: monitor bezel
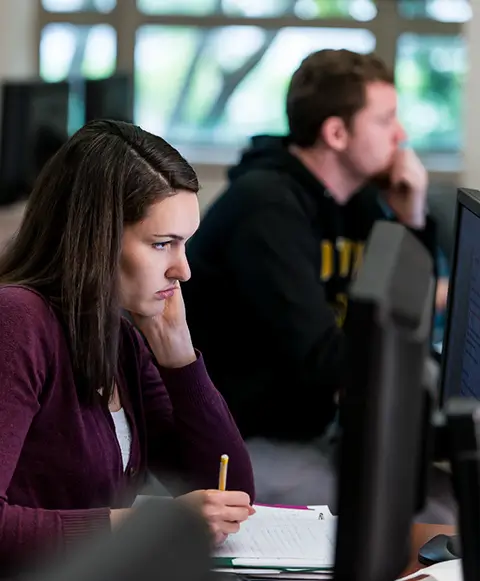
x=470, y=199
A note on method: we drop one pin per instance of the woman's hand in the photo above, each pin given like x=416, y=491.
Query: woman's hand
x=223, y=511
x=167, y=333
x=118, y=516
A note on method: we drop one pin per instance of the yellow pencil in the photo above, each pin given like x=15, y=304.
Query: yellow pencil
x=222, y=479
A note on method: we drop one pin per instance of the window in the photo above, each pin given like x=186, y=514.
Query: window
x=69, y=51
x=224, y=84
x=306, y=9
x=213, y=72
x=429, y=73
x=79, y=5
x=441, y=10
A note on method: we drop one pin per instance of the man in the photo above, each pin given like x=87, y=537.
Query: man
x=274, y=256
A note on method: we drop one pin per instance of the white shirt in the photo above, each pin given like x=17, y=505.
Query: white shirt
x=124, y=435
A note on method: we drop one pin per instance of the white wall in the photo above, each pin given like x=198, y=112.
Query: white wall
x=212, y=181
x=471, y=174
x=18, y=38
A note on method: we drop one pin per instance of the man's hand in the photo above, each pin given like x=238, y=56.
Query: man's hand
x=441, y=294
x=407, y=194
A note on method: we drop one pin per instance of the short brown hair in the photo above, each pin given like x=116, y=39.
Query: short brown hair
x=330, y=83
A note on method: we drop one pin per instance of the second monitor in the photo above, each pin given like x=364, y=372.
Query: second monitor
x=461, y=345
x=110, y=98
x=34, y=126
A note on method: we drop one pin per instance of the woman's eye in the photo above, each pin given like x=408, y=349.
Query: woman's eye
x=161, y=245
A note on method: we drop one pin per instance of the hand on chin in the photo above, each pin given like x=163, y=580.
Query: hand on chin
x=405, y=188
x=141, y=310
x=165, y=328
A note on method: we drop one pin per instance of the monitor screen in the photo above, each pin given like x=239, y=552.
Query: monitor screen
x=461, y=372
x=110, y=98
x=34, y=126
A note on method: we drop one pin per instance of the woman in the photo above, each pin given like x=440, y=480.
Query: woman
x=84, y=410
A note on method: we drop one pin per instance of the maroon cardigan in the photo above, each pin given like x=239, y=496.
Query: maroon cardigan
x=60, y=462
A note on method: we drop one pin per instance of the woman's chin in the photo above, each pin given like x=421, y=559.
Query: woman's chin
x=150, y=309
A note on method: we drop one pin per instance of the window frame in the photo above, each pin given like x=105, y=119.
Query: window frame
x=387, y=26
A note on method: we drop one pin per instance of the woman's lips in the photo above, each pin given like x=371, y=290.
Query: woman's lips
x=165, y=294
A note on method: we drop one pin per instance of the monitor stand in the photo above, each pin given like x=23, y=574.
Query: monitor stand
x=440, y=548
x=463, y=429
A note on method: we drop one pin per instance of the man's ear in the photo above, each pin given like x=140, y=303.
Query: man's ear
x=334, y=134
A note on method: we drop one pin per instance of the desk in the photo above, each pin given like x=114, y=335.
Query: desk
x=420, y=535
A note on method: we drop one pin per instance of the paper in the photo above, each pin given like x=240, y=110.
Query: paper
x=279, y=575
x=324, y=511
x=276, y=515
x=282, y=543
x=446, y=571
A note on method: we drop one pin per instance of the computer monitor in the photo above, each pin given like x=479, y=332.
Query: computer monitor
x=110, y=98
x=34, y=126
x=460, y=374
x=383, y=414
x=461, y=345
x=162, y=539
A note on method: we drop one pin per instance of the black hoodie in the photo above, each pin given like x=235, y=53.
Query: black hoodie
x=271, y=264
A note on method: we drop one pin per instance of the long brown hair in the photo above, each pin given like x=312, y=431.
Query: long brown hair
x=69, y=243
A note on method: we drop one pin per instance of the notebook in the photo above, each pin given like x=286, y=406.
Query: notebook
x=282, y=541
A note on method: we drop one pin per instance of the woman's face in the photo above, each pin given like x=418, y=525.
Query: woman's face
x=153, y=253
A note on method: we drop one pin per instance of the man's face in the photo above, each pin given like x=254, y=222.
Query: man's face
x=375, y=134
